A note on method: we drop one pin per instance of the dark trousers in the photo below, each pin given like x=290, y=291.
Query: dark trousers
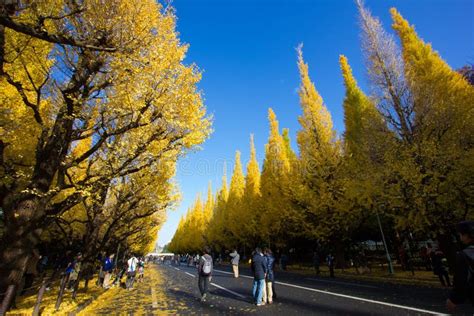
x=316, y=267
x=130, y=279
x=331, y=271
x=203, y=283
x=29, y=278
x=443, y=275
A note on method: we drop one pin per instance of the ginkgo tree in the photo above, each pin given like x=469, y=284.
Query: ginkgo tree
x=405, y=155
x=137, y=103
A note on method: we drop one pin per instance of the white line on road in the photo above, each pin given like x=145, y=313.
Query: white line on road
x=153, y=298
x=347, y=296
x=227, y=290
x=362, y=299
x=190, y=274
x=176, y=269
x=343, y=283
x=219, y=287
x=244, y=276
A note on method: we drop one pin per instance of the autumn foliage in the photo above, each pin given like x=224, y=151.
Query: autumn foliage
x=406, y=154
x=96, y=107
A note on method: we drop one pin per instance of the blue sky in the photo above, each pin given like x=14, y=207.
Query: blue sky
x=246, y=50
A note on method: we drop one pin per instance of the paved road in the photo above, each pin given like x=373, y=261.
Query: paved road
x=299, y=295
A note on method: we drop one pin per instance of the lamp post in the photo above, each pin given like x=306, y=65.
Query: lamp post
x=389, y=259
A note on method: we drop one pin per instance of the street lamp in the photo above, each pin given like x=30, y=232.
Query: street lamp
x=389, y=259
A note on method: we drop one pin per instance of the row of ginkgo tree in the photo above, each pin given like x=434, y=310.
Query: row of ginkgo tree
x=99, y=105
x=406, y=154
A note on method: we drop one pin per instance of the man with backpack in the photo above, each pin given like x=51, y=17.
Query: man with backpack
x=463, y=284
x=204, y=272
x=131, y=271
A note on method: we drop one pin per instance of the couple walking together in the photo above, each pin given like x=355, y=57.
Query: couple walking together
x=262, y=268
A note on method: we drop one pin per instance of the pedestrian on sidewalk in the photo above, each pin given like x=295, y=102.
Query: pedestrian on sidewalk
x=439, y=269
x=235, y=262
x=259, y=269
x=31, y=271
x=330, y=263
x=283, y=261
x=107, y=268
x=73, y=270
x=141, y=269
x=269, y=280
x=131, y=271
x=316, y=262
x=204, y=272
x=463, y=283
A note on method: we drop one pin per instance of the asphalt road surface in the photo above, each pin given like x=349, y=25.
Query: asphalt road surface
x=297, y=294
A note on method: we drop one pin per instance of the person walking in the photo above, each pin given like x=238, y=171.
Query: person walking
x=438, y=267
x=31, y=271
x=268, y=288
x=132, y=264
x=463, y=283
x=259, y=269
x=107, y=268
x=283, y=261
x=316, y=262
x=330, y=263
x=204, y=272
x=141, y=269
x=235, y=262
x=73, y=270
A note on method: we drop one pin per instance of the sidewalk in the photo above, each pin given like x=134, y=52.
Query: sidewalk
x=147, y=297
x=378, y=275
x=421, y=278
x=25, y=304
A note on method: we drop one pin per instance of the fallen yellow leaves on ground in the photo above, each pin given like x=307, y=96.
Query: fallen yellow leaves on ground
x=26, y=304
x=147, y=297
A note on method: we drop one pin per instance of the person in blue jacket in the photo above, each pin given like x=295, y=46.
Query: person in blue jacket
x=107, y=268
x=259, y=269
x=268, y=289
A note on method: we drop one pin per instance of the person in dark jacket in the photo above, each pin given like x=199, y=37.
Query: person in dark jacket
x=330, y=263
x=316, y=262
x=268, y=288
x=259, y=269
x=438, y=267
x=463, y=277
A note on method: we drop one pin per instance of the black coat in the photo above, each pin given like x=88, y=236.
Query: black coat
x=259, y=266
x=461, y=288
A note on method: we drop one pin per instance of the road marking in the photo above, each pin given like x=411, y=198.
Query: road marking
x=347, y=296
x=190, y=274
x=362, y=299
x=153, y=298
x=227, y=290
x=240, y=275
x=343, y=283
x=176, y=269
x=219, y=287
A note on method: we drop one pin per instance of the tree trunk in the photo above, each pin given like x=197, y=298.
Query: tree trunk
x=21, y=236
